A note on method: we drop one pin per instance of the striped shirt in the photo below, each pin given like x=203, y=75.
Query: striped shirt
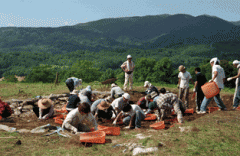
x=166, y=100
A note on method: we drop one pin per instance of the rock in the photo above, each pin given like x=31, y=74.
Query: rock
x=17, y=112
x=23, y=131
x=141, y=136
x=139, y=150
x=63, y=99
x=14, y=105
x=189, y=129
x=16, y=100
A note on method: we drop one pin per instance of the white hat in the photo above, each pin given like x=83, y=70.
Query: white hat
x=113, y=85
x=215, y=59
x=129, y=56
x=126, y=96
x=236, y=62
x=146, y=83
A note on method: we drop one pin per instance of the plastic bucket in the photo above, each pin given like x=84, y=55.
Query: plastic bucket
x=212, y=109
x=158, y=125
x=150, y=117
x=210, y=89
x=189, y=111
x=93, y=137
x=108, y=130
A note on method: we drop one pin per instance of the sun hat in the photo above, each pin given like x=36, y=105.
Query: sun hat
x=153, y=94
x=108, y=99
x=215, y=59
x=103, y=105
x=146, y=83
x=236, y=62
x=74, y=91
x=113, y=85
x=181, y=68
x=126, y=96
x=44, y=103
x=129, y=56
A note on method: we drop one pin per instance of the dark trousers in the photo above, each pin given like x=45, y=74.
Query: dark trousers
x=200, y=97
x=70, y=84
x=36, y=111
x=106, y=115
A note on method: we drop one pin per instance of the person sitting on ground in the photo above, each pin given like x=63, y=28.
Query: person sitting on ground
x=183, y=84
x=236, y=98
x=150, y=88
x=116, y=91
x=45, y=109
x=218, y=76
x=166, y=102
x=73, y=82
x=97, y=102
x=104, y=111
x=73, y=101
x=75, y=118
x=119, y=103
x=133, y=117
x=200, y=81
x=85, y=95
x=5, y=110
x=143, y=102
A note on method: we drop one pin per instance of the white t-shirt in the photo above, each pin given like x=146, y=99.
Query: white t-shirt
x=220, y=76
x=118, y=103
x=184, y=83
x=134, y=109
x=238, y=79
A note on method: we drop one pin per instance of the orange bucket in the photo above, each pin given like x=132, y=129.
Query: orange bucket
x=59, y=121
x=212, y=109
x=238, y=108
x=189, y=111
x=158, y=125
x=93, y=137
x=63, y=110
x=0, y=117
x=150, y=117
x=210, y=89
x=109, y=130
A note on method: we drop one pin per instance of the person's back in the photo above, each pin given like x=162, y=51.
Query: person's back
x=116, y=91
x=220, y=76
x=73, y=100
x=201, y=79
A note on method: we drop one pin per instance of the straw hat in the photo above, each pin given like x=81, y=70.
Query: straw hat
x=153, y=94
x=181, y=68
x=44, y=103
x=103, y=105
x=74, y=91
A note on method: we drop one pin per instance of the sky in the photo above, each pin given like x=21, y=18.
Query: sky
x=55, y=13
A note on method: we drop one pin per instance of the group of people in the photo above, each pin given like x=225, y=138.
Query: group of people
x=116, y=107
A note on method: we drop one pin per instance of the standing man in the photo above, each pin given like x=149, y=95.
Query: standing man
x=128, y=67
x=183, y=82
x=236, y=98
x=200, y=80
x=218, y=76
x=72, y=83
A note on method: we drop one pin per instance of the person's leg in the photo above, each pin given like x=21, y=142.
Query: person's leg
x=83, y=128
x=130, y=81
x=200, y=97
x=205, y=103
x=178, y=111
x=236, y=98
x=139, y=117
x=182, y=108
x=186, y=95
x=181, y=91
x=219, y=102
x=126, y=120
x=126, y=81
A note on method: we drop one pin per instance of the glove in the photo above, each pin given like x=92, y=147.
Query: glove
x=229, y=79
x=194, y=89
x=115, y=122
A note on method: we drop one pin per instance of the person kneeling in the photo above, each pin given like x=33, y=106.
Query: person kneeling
x=104, y=110
x=75, y=118
x=44, y=110
x=134, y=117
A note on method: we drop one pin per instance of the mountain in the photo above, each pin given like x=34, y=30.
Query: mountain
x=237, y=23
x=115, y=33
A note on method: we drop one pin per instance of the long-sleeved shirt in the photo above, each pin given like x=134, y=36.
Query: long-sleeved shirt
x=151, y=89
x=95, y=104
x=116, y=91
x=118, y=103
x=48, y=115
x=76, y=81
x=74, y=118
x=166, y=100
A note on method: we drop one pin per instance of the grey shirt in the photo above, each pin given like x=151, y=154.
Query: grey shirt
x=116, y=90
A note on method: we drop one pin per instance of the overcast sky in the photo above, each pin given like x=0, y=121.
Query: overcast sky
x=54, y=13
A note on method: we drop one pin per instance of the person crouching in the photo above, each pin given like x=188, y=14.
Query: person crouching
x=75, y=118
x=104, y=110
x=134, y=117
x=45, y=109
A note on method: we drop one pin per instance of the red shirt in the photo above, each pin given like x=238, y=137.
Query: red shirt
x=4, y=107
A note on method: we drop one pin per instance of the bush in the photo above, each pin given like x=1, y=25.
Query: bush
x=10, y=78
x=109, y=73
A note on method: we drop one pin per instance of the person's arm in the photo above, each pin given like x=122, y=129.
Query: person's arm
x=49, y=114
x=66, y=123
x=214, y=76
x=118, y=116
x=179, y=79
x=195, y=85
x=40, y=113
x=192, y=81
x=91, y=119
x=237, y=76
